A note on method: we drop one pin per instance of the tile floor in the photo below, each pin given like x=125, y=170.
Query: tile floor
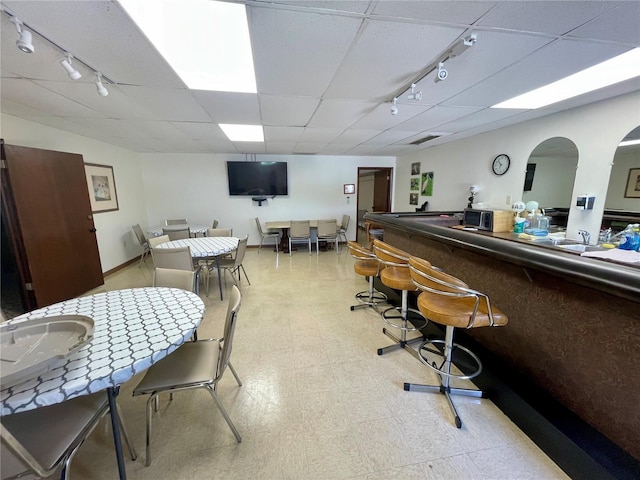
x=316, y=401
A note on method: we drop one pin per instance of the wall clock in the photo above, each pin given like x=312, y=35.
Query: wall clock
x=501, y=164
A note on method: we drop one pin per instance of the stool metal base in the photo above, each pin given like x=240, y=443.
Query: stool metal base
x=400, y=343
x=369, y=298
x=400, y=320
x=440, y=360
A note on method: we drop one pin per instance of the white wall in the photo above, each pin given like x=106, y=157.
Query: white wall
x=365, y=194
x=625, y=159
x=596, y=130
x=195, y=186
x=552, y=182
x=116, y=242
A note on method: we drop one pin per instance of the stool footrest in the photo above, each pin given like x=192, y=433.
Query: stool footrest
x=414, y=319
x=431, y=353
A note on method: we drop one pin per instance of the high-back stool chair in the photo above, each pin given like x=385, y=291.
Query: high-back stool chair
x=366, y=265
x=396, y=275
x=450, y=302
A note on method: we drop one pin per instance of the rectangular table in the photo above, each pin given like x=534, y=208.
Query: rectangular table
x=284, y=225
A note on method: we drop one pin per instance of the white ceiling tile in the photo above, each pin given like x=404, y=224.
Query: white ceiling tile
x=280, y=147
x=391, y=136
x=381, y=119
x=250, y=147
x=309, y=147
x=400, y=52
x=167, y=103
x=318, y=135
x=552, y=16
x=619, y=24
x=436, y=116
x=282, y=134
x=356, y=6
x=487, y=115
x=461, y=12
x=201, y=131
x=309, y=47
x=19, y=110
x=333, y=149
x=226, y=107
x=339, y=113
x=287, y=111
x=355, y=136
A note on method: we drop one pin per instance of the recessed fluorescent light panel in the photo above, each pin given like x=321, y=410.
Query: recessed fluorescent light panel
x=243, y=133
x=206, y=42
x=628, y=143
x=612, y=71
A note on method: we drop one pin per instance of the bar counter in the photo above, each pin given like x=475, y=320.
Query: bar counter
x=574, y=322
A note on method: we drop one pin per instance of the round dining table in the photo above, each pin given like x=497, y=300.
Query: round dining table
x=206, y=248
x=133, y=329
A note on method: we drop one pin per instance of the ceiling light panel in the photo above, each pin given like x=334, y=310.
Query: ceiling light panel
x=206, y=42
x=243, y=133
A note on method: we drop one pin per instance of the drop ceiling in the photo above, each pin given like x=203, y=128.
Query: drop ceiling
x=325, y=72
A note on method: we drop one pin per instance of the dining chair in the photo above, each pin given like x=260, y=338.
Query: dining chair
x=234, y=265
x=327, y=231
x=40, y=441
x=344, y=226
x=220, y=232
x=178, y=259
x=155, y=241
x=194, y=365
x=174, y=278
x=300, y=230
x=177, y=234
x=275, y=234
x=177, y=221
x=142, y=240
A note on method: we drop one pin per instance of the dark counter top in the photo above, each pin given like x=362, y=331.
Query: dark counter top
x=618, y=279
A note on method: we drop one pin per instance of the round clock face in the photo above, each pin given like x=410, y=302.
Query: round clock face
x=501, y=164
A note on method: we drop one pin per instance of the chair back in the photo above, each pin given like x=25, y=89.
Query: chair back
x=176, y=221
x=220, y=232
x=233, y=308
x=214, y=224
x=389, y=255
x=327, y=228
x=345, y=222
x=259, y=227
x=358, y=252
x=139, y=234
x=170, y=277
x=434, y=281
x=177, y=234
x=240, y=251
x=300, y=229
x=155, y=241
x=176, y=258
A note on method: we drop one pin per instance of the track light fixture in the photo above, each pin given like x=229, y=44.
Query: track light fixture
x=102, y=91
x=71, y=71
x=442, y=74
x=463, y=44
x=394, y=106
x=416, y=96
x=24, y=42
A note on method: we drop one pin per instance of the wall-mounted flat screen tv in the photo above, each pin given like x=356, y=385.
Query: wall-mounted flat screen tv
x=257, y=178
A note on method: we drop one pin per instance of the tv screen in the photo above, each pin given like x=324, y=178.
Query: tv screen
x=257, y=178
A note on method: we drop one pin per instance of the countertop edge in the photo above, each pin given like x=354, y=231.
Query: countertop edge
x=613, y=278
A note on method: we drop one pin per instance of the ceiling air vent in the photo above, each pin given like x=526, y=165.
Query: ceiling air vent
x=425, y=139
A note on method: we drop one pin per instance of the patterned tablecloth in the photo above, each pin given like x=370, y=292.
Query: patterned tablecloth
x=202, y=247
x=133, y=329
x=194, y=229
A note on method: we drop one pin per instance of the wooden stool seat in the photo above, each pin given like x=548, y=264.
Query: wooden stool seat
x=398, y=278
x=366, y=268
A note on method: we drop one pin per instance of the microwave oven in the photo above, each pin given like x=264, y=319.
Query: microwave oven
x=489, y=220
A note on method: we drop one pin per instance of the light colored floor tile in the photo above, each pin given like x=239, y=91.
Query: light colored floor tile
x=317, y=402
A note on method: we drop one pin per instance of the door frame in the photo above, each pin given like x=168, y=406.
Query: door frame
x=373, y=170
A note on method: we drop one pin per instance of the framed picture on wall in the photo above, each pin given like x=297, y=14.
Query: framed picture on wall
x=415, y=168
x=427, y=184
x=413, y=199
x=633, y=184
x=415, y=184
x=102, y=188
x=349, y=188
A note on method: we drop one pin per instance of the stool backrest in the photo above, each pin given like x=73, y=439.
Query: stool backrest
x=432, y=280
x=390, y=255
x=358, y=252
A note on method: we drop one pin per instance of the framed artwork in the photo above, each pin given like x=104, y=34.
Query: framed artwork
x=102, y=188
x=528, y=177
x=633, y=184
x=415, y=184
x=427, y=184
x=415, y=168
x=349, y=188
x=413, y=199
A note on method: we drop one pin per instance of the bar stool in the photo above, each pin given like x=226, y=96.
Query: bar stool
x=396, y=275
x=450, y=302
x=366, y=265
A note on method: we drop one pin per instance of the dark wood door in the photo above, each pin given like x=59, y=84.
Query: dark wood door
x=382, y=191
x=51, y=223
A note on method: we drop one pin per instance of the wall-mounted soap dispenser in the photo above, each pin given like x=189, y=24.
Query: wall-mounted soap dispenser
x=585, y=202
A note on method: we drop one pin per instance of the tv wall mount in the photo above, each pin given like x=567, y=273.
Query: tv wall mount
x=259, y=200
